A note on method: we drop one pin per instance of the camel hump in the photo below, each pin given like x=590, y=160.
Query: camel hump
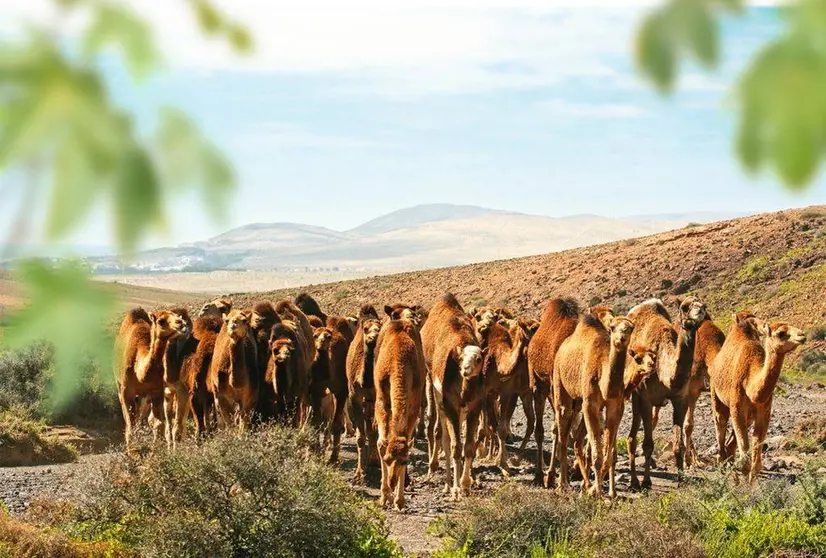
x=449, y=299
x=368, y=311
x=565, y=307
x=307, y=304
x=592, y=321
x=138, y=315
x=654, y=305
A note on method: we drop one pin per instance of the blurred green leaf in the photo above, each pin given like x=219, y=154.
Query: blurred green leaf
x=208, y=17
x=240, y=38
x=136, y=198
x=74, y=190
x=656, y=52
x=213, y=22
x=702, y=33
x=71, y=311
x=115, y=25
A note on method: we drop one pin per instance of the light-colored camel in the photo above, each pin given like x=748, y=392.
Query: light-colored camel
x=709, y=342
x=456, y=392
x=675, y=356
x=559, y=319
x=588, y=372
x=216, y=308
x=399, y=378
x=140, y=348
x=233, y=374
x=743, y=378
x=362, y=390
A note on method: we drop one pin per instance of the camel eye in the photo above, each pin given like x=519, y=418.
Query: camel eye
x=162, y=322
x=782, y=335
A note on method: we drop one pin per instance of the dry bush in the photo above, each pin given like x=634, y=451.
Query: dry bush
x=24, y=441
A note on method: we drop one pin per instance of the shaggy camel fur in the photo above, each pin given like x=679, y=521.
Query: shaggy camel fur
x=506, y=377
x=559, y=319
x=743, y=378
x=588, y=373
x=399, y=378
x=233, y=374
x=456, y=393
x=675, y=357
x=197, y=358
x=140, y=351
x=708, y=343
x=362, y=391
x=322, y=400
x=216, y=308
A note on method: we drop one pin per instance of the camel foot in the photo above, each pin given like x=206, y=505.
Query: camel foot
x=634, y=485
x=358, y=476
x=505, y=470
x=646, y=483
x=456, y=494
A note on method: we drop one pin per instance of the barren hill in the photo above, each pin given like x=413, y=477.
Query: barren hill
x=773, y=263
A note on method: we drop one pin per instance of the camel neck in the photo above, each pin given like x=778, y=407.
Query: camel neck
x=683, y=359
x=237, y=363
x=762, y=386
x=154, y=356
x=613, y=385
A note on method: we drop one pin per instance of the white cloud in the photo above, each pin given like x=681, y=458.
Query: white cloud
x=563, y=108
x=285, y=135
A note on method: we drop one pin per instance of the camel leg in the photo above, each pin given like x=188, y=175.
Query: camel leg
x=182, y=408
x=580, y=442
x=130, y=408
x=721, y=415
x=199, y=415
x=502, y=433
x=636, y=419
x=454, y=430
x=761, y=426
x=613, y=416
x=678, y=443
x=688, y=432
x=739, y=416
x=386, y=491
x=169, y=416
x=530, y=419
x=432, y=422
x=156, y=420
x=647, y=440
x=564, y=415
x=357, y=420
x=655, y=416
x=338, y=427
x=400, y=480
x=590, y=413
x=472, y=422
x=540, y=394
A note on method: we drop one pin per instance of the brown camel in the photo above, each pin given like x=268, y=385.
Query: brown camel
x=675, y=357
x=322, y=400
x=216, y=308
x=361, y=388
x=195, y=366
x=233, y=374
x=589, y=370
x=140, y=350
x=176, y=400
x=520, y=388
x=708, y=343
x=506, y=376
x=456, y=393
x=399, y=378
x=743, y=378
x=559, y=319
x=346, y=326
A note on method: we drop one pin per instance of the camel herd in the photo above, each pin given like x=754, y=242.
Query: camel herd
x=456, y=377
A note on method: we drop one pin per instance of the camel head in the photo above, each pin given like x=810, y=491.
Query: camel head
x=470, y=358
x=238, y=324
x=217, y=308
x=263, y=316
x=282, y=345
x=620, y=328
x=642, y=365
x=483, y=318
x=782, y=338
x=370, y=329
x=529, y=326
x=322, y=336
x=749, y=324
x=404, y=312
x=603, y=313
x=167, y=324
x=692, y=312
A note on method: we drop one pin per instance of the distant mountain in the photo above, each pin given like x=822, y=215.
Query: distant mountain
x=419, y=237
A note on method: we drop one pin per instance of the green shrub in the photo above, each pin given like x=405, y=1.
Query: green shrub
x=754, y=268
x=258, y=494
x=818, y=333
x=25, y=381
x=24, y=441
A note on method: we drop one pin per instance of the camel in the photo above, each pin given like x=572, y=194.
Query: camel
x=233, y=377
x=675, y=357
x=506, y=366
x=589, y=370
x=286, y=375
x=195, y=369
x=345, y=325
x=399, y=378
x=708, y=343
x=361, y=387
x=140, y=350
x=456, y=393
x=216, y=308
x=176, y=400
x=743, y=377
x=322, y=400
x=559, y=319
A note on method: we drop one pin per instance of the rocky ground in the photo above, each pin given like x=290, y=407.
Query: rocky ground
x=426, y=501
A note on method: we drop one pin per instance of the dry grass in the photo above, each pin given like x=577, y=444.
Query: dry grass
x=19, y=539
x=25, y=441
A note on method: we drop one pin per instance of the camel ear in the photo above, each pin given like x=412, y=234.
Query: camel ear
x=388, y=311
x=225, y=317
x=352, y=320
x=632, y=353
x=485, y=352
x=459, y=351
x=766, y=329
x=153, y=317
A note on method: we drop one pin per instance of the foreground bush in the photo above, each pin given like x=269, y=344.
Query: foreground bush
x=26, y=381
x=259, y=494
x=714, y=519
x=25, y=441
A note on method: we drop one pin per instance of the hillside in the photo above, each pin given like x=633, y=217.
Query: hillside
x=772, y=263
x=420, y=237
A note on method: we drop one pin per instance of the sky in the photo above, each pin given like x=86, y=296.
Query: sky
x=343, y=113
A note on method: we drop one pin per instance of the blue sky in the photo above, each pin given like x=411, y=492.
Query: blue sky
x=344, y=114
